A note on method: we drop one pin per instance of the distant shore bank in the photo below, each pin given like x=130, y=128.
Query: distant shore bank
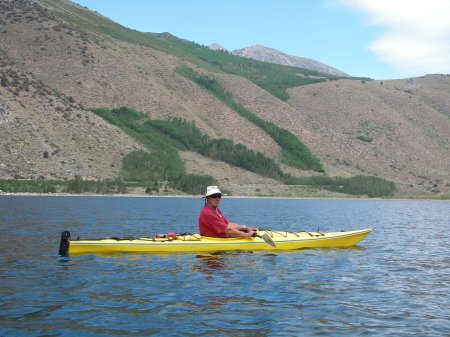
x=334, y=197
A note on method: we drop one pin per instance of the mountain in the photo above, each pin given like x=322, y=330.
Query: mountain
x=58, y=61
x=216, y=46
x=262, y=53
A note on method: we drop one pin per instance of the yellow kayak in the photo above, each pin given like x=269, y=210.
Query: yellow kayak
x=265, y=240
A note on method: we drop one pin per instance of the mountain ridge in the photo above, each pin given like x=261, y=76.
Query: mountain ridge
x=271, y=55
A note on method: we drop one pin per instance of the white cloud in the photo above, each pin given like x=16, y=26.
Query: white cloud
x=416, y=37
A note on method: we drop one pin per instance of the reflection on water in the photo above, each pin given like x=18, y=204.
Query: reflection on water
x=395, y=283
x=210, y=263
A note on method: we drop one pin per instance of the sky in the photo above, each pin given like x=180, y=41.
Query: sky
x=379, y=39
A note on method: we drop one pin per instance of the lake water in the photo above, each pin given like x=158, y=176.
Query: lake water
x=395, y=283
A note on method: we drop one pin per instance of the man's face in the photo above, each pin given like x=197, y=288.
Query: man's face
x=213, y=200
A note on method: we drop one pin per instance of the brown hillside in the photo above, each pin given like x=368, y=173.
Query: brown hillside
x=379, y=128
x=389, y=129
x=98, y=71
x=432, y=89
x=46, y=134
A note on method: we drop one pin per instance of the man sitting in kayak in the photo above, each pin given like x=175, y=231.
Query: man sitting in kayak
x=213, y=223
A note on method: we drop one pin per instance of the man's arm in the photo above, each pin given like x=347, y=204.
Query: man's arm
x=235, y=230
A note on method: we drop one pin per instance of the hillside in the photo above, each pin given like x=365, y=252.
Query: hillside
x=59, y=61
x=400, y=128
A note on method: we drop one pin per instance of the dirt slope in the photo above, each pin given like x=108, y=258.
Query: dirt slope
x=379, y=128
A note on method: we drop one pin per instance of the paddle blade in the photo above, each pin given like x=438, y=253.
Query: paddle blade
x=267, y=239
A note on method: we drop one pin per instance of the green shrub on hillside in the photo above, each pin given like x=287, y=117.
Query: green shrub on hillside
x=149, y=169
x=364, y=138
x=156, y=166
x=357, y=185
x=164, y=163
x=365, y=185
x=294, y=152
x=121, y=116
x=164, y=138
x=189, y=137
x=27, y=186
x=80, y=186
x=192, y=183
x=131, y=122
x=76, y=185
x=168, y=136
x=184, y=135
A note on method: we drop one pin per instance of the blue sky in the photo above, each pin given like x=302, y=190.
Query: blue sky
x=380, y=39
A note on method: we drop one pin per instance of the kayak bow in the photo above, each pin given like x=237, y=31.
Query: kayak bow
x=196, y=243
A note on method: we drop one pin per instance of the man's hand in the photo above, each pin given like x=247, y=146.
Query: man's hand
x=248, y=232
x=247, y=229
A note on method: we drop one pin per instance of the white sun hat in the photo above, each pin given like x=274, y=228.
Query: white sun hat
x=210, y=190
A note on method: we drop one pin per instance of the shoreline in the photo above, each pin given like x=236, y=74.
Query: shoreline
x=25, y=194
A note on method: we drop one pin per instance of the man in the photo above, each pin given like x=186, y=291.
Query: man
x=213, y=223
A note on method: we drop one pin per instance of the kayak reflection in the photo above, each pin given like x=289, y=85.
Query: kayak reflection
x=209, y=264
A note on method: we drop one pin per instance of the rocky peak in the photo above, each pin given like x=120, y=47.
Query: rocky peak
x=266, y=54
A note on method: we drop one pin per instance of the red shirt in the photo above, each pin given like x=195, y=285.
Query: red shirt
x=212, y=223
